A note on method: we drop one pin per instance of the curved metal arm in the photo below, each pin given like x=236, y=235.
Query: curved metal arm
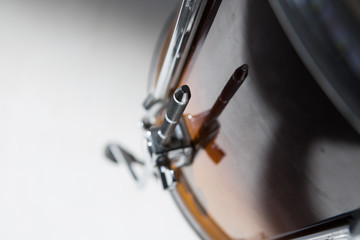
x=117, y=154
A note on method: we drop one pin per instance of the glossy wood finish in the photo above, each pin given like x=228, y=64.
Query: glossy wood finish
x=290, y=158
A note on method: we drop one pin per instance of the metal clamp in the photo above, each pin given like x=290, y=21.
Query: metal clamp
x=167, y=159
x=169, y=145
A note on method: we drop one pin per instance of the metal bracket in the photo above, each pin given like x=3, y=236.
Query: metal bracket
x=167, y=159
x=169, y=145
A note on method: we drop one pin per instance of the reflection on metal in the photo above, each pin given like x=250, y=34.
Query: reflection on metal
x=118, y=154
x=327, y=40
x=179, y=46
x=169, y=145
x=340, y=233
x=173, y=114
x=342, y=227
x=206, y=124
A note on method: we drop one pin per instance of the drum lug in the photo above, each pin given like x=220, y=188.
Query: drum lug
x=169, y=159
x=169, y=145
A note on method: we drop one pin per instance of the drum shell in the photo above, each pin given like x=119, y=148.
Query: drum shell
x=290, y=158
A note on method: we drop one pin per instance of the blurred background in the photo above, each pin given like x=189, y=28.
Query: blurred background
x=73, y=75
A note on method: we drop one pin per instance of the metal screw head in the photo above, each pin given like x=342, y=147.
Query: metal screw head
x=145, y=123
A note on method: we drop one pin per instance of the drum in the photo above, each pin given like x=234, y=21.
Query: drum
x=283, y=157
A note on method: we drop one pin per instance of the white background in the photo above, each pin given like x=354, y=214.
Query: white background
x=73, y=75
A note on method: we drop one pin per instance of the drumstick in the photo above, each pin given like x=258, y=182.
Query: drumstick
x=209, y=128
x=235, y=81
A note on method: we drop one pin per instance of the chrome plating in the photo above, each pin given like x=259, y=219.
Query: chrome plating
x=339, y=233
x=167, y=159
x=185, y=28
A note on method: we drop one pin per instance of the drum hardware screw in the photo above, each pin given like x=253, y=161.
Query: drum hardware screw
x=167, y=176
x=165, y=172
x=145, y=123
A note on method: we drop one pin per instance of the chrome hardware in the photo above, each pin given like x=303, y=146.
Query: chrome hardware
x=168, y=158
x=173, y=114
x=169, y=145
x=355, y=226
x=184, y=31
x=339, y=233
x=116, y=153
x=167, y=176
x=342, y=227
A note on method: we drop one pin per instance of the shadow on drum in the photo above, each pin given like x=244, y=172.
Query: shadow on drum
x=305, y=113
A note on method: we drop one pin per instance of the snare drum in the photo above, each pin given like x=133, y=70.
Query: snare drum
x=289, y=159
x=280, y=157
